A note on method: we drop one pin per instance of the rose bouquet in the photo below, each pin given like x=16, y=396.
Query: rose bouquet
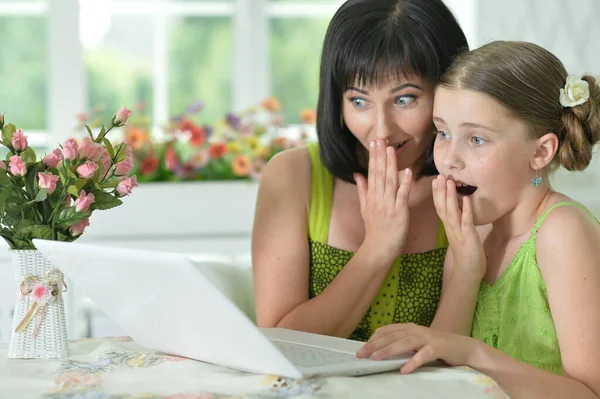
x=52, y=197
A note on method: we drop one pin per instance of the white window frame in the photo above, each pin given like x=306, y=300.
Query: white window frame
x=67, y=88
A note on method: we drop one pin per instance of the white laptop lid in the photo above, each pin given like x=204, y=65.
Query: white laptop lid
x=164, y=303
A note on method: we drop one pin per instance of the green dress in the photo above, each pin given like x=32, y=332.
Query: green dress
x=411, y=290
x=513, y=314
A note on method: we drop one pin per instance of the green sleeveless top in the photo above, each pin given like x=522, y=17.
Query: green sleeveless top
x=513, y=314
x=411, y=290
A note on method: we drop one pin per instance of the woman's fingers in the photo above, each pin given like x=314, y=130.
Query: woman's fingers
x=372, y=168
x=405, y=185
x=361, y=184
x=381, y=167
x=391, y=174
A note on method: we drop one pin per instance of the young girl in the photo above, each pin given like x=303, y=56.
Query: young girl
x=527, y=287
x=327, y=257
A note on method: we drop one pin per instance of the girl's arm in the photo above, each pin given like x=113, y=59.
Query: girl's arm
x=568, y=252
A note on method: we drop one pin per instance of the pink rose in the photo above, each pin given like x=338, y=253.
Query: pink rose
x=126, y=185
x=51, y=160
x=87, y=170
x=78, y=229
x=17, y=166
x=69, y=149
x=84, y=201
x=90, y=150
x=2, y=164
x=19, y=140
x=48, y=181
x=123, y=167
x=121, y=116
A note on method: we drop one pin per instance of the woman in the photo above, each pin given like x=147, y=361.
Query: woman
x=337, y=258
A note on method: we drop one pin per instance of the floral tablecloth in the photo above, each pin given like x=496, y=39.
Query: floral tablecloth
x=118, y=368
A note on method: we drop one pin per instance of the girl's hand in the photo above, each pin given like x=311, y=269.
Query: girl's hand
x=429, y=344
x=465, y=244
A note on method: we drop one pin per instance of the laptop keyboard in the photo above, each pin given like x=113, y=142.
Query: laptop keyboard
x=310, y=356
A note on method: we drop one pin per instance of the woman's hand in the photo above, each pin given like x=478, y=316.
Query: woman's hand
x=428, y=343
x=465, y=244
x=384, y=202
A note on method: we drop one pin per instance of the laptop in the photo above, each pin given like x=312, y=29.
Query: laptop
x=163, y=302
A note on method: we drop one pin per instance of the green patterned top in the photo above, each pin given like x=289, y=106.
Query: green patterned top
x=411, y=291
x=513, y=314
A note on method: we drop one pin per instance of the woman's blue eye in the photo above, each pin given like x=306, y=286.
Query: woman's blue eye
x=358, y=102
x=477, y=140
x=443, y=135
x=405, y=100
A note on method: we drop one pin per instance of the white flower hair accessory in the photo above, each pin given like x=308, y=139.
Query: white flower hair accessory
x=575, y=92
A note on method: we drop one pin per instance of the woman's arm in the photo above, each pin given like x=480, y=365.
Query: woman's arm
x=281, y=259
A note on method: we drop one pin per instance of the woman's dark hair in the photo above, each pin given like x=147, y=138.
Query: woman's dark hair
x=368, y=41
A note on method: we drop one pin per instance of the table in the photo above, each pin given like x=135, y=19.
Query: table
x=118, y=368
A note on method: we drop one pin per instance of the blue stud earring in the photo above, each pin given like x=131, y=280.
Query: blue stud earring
x=536, y=181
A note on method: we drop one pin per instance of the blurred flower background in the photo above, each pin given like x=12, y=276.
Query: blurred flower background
x=237, y=147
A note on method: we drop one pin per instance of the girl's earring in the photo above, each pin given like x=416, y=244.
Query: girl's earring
x=537, y=180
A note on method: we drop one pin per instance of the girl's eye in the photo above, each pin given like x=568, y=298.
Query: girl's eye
x=443, y=135
x=405, y=100
x=358, y=102
x=477, y=140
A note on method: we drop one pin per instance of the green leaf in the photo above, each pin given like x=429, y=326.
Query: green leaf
x=80, y=183
x=99, y=173
x=7, y=133
x=105, y=200
x=109, y=147
x=8, y=237
x=73, y=190
x=61, y=237
x=4, y=179
x=22, y=225
x=38, y=231
x=121, y=153
x=89, y=132
x=101, y=134
x=31, y=181
x=68, y=217
x=21, y=243
x=28, y=156
x=108, y=184
x=4, y=194
x=41, y=195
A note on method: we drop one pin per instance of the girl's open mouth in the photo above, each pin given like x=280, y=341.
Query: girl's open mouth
x=465, y=189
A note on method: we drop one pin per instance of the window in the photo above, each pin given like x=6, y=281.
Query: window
x=70, y=56
x=24, y=66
